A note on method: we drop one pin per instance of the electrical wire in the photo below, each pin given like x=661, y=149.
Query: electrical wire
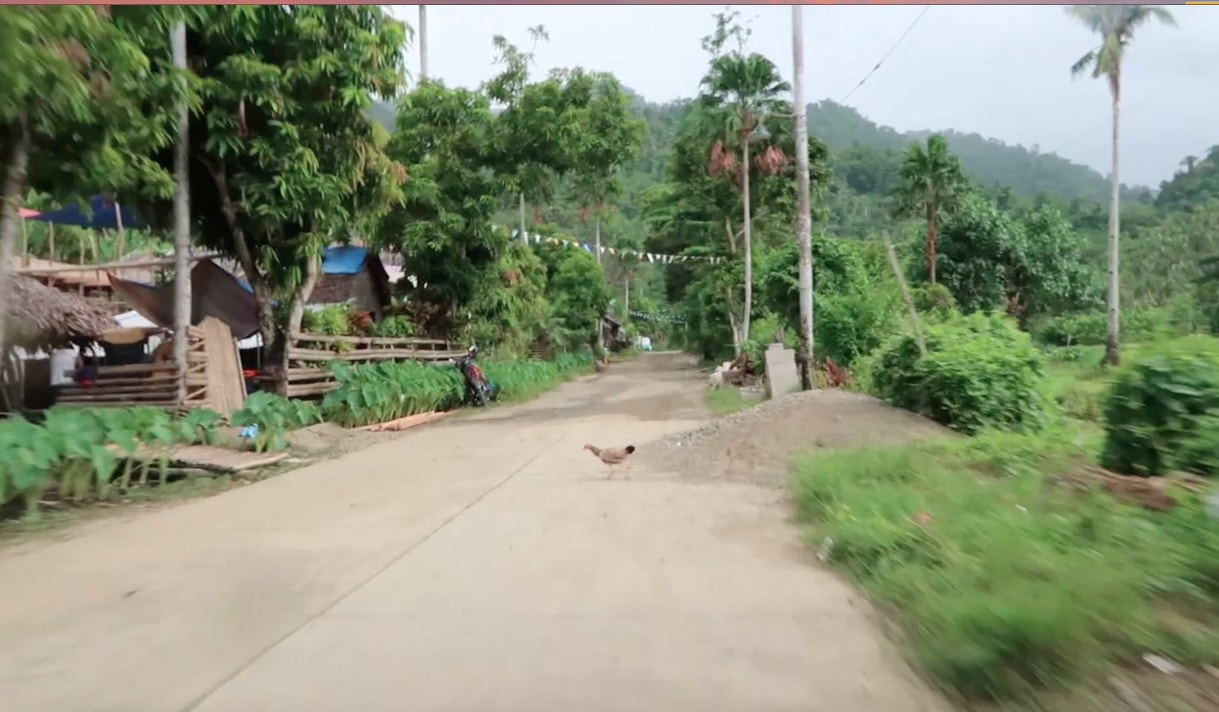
x=886, y=56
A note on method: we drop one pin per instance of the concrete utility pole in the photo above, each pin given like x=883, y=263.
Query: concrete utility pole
x=182, y=298
x=803, y=209
x=423, y=43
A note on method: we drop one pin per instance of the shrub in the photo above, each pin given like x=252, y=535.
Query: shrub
x=1163, y=411
x=330, y=320
x=934, y=300
x=857, y=304
x=980, y=371
x=1088, y=329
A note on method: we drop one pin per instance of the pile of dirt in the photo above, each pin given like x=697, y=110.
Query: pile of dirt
x=756, y=445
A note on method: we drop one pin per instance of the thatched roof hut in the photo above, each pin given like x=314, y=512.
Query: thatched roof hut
x=39, y=316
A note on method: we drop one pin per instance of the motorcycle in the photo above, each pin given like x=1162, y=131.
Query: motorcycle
x=478, y=391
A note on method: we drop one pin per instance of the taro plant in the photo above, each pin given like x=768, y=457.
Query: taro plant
x=79, y=450
x=378, y=393
x=273, y=417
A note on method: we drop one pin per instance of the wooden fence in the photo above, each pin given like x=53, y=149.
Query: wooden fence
x=149, y=384
x=308, y=354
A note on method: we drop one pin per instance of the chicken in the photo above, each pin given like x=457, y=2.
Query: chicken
x=613, y=456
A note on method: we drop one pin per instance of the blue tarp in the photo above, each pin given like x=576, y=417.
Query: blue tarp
x=344, y=260
x=100, y=216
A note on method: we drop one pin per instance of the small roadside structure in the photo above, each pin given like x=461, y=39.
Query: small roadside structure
x=42, y=318
x=353, y=275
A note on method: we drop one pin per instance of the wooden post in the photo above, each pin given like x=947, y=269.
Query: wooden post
x=118, y=222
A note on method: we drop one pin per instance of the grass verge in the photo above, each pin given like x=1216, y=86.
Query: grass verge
x=1008, y=586
x=724, y=401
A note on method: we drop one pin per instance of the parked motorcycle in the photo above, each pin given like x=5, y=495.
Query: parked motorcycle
x=478, y=391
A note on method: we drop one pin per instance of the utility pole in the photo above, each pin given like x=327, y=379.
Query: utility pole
x=423, y=43
x=803, y=210
x=182, y=300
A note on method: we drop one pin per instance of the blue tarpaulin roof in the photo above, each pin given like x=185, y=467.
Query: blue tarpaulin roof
x=101, y=215
x=347, y=259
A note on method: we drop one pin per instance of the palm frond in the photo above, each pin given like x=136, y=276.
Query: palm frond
x=1084, y=64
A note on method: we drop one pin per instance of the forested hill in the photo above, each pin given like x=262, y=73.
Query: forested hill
x=990, y=162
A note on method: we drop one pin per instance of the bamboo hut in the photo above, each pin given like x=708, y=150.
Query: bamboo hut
x=40, y=317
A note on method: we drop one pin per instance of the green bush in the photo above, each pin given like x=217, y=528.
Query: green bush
x=331, y=320
x=1088, y=329
x=1162, y=413
x=980, y=371
x=934, y=301
x=857, y=304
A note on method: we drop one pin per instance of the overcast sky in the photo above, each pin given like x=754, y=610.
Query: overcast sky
x=1001, y=71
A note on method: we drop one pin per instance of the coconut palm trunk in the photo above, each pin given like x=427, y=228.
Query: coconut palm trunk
x=747, y=234
x=930, y=246
x=1112, y=332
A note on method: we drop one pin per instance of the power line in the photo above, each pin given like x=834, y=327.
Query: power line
x=868, y=76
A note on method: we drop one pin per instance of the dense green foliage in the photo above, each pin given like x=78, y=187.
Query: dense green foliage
x=1162, y=413
x=979, y=372
x=378, y=393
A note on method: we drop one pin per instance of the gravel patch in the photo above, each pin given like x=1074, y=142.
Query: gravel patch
x=755, y=445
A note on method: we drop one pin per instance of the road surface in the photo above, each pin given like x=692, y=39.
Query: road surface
x=481, y=564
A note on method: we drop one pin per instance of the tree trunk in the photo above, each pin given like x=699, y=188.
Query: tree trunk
x=1112, y=335
x=14, y=188
x=748, y=238
x=274, y=348
x=804, y=354
x=524, y=231
x=931, y=231
x=736, y=333
x=597, y=236
x=423, y=43
x=182, y=276
x=296, y=312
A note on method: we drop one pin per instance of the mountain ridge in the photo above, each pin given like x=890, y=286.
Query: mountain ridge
x=989, y=161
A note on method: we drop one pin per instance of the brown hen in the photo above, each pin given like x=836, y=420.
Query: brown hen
x=612, y=457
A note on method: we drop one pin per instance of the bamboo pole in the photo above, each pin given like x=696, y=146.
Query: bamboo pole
x=905, y=290
x=114, y=266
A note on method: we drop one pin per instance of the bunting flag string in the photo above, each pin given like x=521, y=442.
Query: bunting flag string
x=660, y=317
x=651, y=257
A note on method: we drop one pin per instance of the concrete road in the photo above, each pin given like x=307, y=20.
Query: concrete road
x=477, y=565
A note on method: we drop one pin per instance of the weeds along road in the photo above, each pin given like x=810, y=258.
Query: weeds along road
x=482, y=563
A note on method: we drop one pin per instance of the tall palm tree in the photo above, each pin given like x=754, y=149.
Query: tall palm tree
x=748, y=89
x=929, y=185
x=1116, y=25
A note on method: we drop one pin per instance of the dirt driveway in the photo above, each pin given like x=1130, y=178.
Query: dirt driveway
x=480, y=564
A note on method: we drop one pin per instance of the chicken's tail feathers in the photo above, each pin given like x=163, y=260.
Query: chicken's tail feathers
x=593, y=449
x=630, y=449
